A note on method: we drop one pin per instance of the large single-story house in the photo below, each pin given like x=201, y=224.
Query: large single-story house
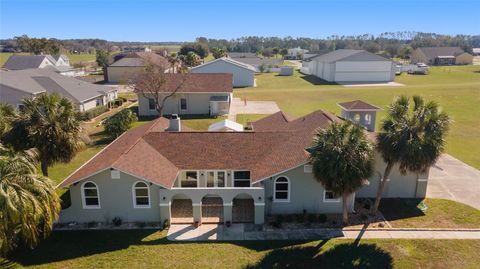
x=243, y=74
x=28, y=83
x=295, y=53
x=127, y=68
x=347, y=65
x=59, y=63
x=159, y=171
x=195, y=94
x=441, y=56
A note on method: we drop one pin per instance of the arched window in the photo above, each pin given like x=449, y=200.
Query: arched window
x=368, y=118
x=141, y=195
x=281, y=190
x=90, y=195
x=356, y=117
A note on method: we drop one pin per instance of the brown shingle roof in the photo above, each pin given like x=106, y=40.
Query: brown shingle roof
x=150, y=153
x=358, y=105
x=192, y=82
x=433, y=52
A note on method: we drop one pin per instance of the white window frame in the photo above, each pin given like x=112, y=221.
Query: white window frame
x=233, y=178
x=308, y=169
x=215, y=179
x=186, y=104
x=198, y=178
x=368, y=118
x=326, y=200
x=148, y=103
x=134, y=196
x=275, y=190
x=84, y=204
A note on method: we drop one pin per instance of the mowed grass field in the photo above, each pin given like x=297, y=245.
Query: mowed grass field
x=74, y=58
x=151, y=249
x=456, y=89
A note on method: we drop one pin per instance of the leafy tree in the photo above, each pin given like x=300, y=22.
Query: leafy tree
x=152, y=84
x=342, y=159
x=262, y=68
x=412, y=137
x=7, y=115
x=28, y=202
x=219, y=52
x=103, y=60
x=267, y=52
x=283, y=52
x=275, y=51
x=201, y=49
x=48, y=123
x=120, y=123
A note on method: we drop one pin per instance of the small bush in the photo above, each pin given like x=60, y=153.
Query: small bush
x=117, y=221
x=118, y=102
x=322, y=218
x=366, y=206
x=92, y=224
x=363, y=216
x=288, y=218
x=122, y=98
x=92, y=113
x=312, y=217
x=300, y=218
x=280, y=218
x=140, y=224
x=120, y=123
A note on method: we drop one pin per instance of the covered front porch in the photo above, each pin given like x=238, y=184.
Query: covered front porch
x=212, y=205
x=219, y=105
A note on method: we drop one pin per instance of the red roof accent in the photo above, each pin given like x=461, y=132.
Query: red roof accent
x=358, y=104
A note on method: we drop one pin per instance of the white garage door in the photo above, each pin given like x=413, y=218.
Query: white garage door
x=363, y=71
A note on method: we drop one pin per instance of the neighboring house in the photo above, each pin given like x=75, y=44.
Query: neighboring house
x=441, y=56
x=137, y=49
x=243, y=74
x=253, y=60
x=127, y=68
x=198, y=94
x=476, y=51
x=295, y=54
x=348, y=65
x=58, y=63
x=152, y=175
x=28, y=83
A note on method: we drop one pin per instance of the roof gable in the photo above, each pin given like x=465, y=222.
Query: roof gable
x=433, y=52
x=348, y=55
x=229, y=61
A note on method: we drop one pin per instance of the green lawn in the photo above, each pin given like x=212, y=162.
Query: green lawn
x=74, y=58
x=440, y=213
x=244, y=119
x=456, y=89
x=150, y=249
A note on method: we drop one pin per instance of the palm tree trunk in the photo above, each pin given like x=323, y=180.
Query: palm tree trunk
x=44, y=167
x=345, y=208
x=105, y=74
x=381, y=187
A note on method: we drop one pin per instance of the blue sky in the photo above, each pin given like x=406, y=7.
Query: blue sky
x=149, y=20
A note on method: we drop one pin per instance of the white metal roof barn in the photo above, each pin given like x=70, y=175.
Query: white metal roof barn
x=347, y=65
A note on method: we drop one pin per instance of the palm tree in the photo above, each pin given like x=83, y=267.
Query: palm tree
x=28, y=201
x=412, y=137
x=49, y=124
x=7, y=115
x=342, y=158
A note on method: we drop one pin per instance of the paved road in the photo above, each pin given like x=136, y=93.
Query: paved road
x=452, y=179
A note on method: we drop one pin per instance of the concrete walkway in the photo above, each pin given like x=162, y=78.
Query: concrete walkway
x=236, y=232
x=238, y=106
x=452, y=179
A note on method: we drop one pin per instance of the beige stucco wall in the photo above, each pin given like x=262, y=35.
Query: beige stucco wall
x=464, y=58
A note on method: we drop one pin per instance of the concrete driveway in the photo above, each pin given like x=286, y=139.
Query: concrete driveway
x=238, y=106
x=452, y=179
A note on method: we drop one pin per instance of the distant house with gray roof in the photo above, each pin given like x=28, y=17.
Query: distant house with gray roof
x=348, y=65
x=127, y=68
x=243, y=74
x=58, y=63
x=441, y=56
x=28, y=83
x=254, y=60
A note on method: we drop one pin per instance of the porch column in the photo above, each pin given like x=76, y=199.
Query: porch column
x=197, y=212
x=259, y=213
x=227, y=212
x=165, y=212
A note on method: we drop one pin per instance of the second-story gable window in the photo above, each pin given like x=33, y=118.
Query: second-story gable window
x=241, y=179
